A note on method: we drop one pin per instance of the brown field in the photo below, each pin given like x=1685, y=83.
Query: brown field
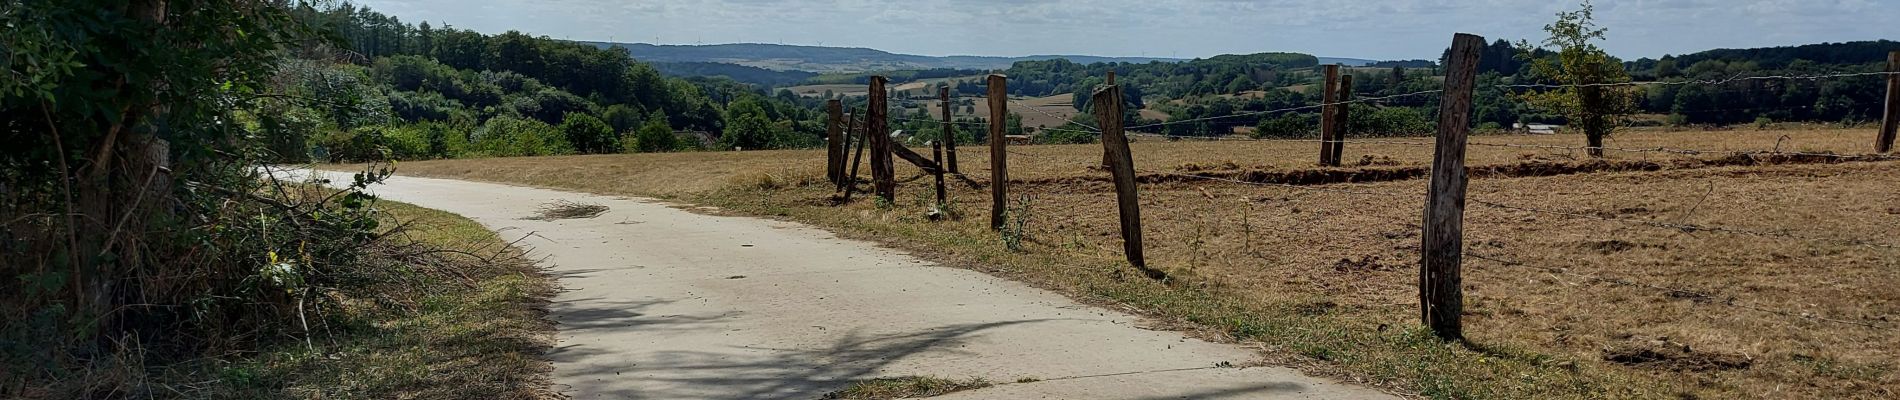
x=836, y=90
x=1591, y=301
x=1037, y=112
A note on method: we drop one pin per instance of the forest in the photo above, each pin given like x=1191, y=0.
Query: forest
x=417, y=92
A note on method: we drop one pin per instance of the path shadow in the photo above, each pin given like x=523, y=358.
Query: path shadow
x=754, y=372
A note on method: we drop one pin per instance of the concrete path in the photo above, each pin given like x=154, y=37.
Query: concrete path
x=660, y=303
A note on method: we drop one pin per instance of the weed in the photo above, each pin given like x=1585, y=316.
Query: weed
x=1016, y=224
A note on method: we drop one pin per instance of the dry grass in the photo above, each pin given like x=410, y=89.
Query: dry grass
x=477, y=337
x=1557, y=306
x=563, y=209
x=908, y=387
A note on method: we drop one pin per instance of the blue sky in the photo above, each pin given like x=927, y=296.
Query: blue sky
x=1381, y=29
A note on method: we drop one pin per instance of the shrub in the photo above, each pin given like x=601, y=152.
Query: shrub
x=509, y=137
x=655, y=136
x=589, y=135
x=622, y=118
x=1287, y=125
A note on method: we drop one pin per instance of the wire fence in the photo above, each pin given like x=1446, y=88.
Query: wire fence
x=1375, y=193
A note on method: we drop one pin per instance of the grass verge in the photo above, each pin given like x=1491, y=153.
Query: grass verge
x=475, y=333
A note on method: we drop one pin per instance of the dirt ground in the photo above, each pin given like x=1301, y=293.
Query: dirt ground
x=1694, y=278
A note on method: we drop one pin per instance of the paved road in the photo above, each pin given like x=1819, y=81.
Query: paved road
x=661, y=303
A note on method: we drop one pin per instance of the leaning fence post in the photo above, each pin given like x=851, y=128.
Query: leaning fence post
x=999, y=153
x=851, y=182
x=1328, y=114
x=834, y=141
x=1344, y=119
x=1108, y=113
x=883, y=179
x=1441, y=298
x=949, y=135
x=1890, y=123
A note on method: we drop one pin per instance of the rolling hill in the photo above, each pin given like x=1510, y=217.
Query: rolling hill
x=833, y=59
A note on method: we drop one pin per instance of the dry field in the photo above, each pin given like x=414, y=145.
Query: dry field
x=1038, y=112
x=1573, y=287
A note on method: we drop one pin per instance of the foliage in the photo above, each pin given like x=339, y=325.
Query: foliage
x=511, y=137
x=148, y=118
x=1288, y=126
x=655, y=137
x=589, y=135
x=623, y=118
x=1578, y=65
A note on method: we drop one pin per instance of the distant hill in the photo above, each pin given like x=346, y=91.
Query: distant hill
x=756, y=75
x=833, y=59
x=1864, y=52
x=1350, y=62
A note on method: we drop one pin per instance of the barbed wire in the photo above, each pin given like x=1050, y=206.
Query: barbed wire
x=1690, y=152
x=1306, y=107
x=1684, y=227
x=1040, y=111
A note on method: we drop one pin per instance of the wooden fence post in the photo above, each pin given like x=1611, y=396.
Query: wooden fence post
x=883, y=179
x=949, y=160
x=999, y=152
x=851, y=182
x=1328, y=115
x=1441, y=298
x=1890, y=122
x=1108, y=161
x=936, y=154
x=1344, y=119
x=834, y=141
x=1108, y=113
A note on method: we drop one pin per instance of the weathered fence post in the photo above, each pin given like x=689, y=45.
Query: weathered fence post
x=1891, y=121
x=949, y=135
x=999, y=152
x=1344, y=119
x=1440, y=296
x=936, y=154
x=1108, y=113
x=851, y=182
x=1328, y=115
x=1108, y=161
x=835, y=145
x=883, y=179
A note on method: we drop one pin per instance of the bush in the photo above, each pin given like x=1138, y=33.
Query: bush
x=622, y=118
x=1070, y=134
x=655, y=137
x=1287, y=125
x=1389, y=121
x=509, y=137
x=589, y=135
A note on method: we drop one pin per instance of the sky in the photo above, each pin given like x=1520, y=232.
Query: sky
x=1373, y=29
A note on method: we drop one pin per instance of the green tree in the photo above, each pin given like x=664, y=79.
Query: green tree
x=623, y=118
x=589, y=135
x=656, y=136
x=1581, y=67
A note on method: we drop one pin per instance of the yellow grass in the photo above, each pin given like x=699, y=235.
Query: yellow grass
x=1558, y=306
